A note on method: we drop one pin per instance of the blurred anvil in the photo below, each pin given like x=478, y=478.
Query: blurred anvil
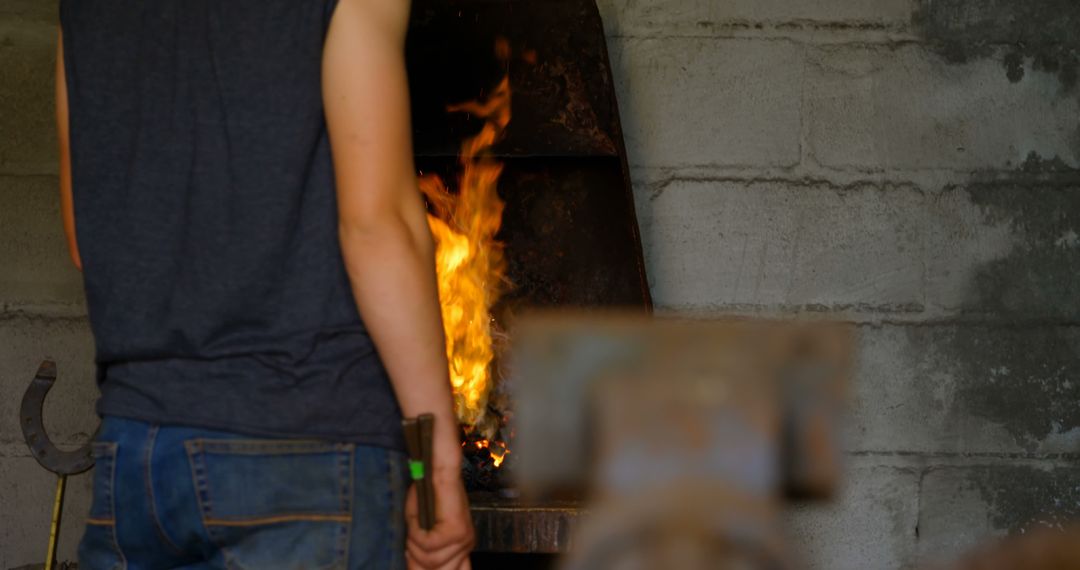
x=686, y=437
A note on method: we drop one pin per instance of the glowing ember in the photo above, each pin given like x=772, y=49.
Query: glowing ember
x=497, y=450
x=469, y=259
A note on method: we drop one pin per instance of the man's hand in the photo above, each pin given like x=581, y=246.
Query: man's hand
x=447, y=545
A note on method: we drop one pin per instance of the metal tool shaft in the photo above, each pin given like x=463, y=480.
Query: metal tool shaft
x=54, y=529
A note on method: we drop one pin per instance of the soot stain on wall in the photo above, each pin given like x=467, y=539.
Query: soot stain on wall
x=1023, y=374
x=1040, y=278
x=1023, y=498
x=1026, y=380
x=1043, y=31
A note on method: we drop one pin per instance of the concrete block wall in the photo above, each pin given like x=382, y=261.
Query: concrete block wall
x=42, y=312
x=911, y=166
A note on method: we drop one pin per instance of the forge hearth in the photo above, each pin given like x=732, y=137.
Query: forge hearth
x=569, y=226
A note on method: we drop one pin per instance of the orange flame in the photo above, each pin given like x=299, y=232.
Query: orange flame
x=468, y=258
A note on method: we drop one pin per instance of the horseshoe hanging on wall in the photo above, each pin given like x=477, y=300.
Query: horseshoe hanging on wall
x=33, y=428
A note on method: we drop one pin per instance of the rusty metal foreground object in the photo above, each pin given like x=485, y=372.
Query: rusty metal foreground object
x=508, y=525
x=684, y=388
x=687, y=436
x=33, y=427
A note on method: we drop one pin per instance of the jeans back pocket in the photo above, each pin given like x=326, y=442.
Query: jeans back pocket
x=98, y=549
x=275, y=503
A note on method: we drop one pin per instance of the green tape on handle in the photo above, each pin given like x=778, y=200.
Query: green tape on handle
x=416, y=468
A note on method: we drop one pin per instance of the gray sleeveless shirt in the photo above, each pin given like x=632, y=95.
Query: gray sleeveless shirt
x=206, y=219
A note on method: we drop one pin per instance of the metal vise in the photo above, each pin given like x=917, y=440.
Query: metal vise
x=686, y=437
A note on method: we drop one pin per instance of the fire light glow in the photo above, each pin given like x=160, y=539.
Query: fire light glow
x=469, y=260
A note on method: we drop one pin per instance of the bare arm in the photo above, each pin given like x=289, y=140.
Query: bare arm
x=387, y=245
x=67, y=206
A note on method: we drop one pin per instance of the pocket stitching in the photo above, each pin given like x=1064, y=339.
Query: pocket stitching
x=192, y=448
x=149, y=479
x=105, y=452
x=264, y=447
x=197, y=449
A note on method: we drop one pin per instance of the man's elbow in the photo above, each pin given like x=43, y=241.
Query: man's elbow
x=72, y=243
x=363, y=235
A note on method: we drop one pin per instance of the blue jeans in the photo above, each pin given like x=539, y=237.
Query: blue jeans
x=180, y=497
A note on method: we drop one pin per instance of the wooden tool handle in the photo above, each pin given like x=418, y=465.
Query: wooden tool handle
x=427, y=431
x=418, y=441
